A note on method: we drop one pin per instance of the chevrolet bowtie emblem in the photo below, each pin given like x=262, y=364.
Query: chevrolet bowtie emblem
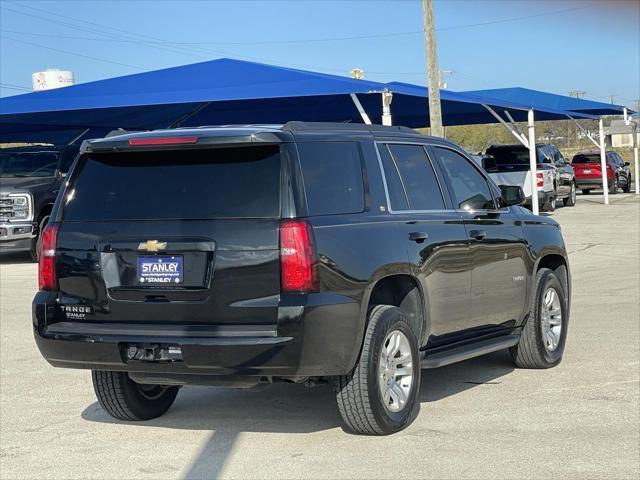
x=152, y=245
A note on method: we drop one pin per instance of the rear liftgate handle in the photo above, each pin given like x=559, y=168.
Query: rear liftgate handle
x=478, y=234
x=418, y=237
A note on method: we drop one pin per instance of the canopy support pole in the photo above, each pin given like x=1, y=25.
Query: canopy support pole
x=387, y=98
x=514, y=131
x=513, y=123
x=361, y=110
x=587, y=134
x=634, y=133
x=82, y=134
x=603, y=163
x=533, y=162
x=178, y=123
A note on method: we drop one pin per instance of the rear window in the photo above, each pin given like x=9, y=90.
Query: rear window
x=241, y=182
x=586, y=159
x=332, y=174
x=506, y=156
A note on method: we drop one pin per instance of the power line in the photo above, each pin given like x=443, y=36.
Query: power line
x=158, y=41
x=73, y=53
x=11, y=86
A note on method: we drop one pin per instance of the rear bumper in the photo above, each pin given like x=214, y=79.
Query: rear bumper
x=543, y=197
x=321, y=337
x=592, y=182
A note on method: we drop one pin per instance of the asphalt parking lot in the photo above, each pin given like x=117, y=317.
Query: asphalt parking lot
x=478, y=419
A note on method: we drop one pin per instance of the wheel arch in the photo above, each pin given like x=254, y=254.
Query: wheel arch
x=560, y=265
x=401, y=290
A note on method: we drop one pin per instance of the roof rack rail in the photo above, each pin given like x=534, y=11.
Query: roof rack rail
x=298, y=126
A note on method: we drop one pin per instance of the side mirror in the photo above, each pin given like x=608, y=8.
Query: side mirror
x=626, y=164
x=511, y=195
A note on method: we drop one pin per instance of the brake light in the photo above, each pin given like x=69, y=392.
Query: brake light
x=136, y=142
x=47, y=279
x=297, y=257
x=540, y=179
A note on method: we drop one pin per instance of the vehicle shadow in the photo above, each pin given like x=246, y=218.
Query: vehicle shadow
x=15, y=258
x=287, y=408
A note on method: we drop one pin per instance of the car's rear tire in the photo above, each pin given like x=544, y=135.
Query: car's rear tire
x=550, y=206
x=586, y=191
x=124, y=399
x=544, y=334
x=570, y=201
x=380, y=395
x=614, y=186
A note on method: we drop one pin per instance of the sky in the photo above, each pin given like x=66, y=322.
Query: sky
x=552, y=45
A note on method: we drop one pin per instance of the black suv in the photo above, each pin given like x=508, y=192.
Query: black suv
x=306, y=253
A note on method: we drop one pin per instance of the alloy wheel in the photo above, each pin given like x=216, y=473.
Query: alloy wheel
x=395, y=371
x=551, y=319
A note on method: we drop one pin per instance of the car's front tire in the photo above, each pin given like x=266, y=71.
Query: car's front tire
x=124, y=399
x=381, y=394
x=544, y=334
x=570, y=201
x=614, y=186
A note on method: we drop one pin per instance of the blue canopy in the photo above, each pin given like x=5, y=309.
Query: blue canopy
x=227, y=91
x=464, y=108
x=538, y=99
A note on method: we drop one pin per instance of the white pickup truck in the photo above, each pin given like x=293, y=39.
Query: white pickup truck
x=509, y=165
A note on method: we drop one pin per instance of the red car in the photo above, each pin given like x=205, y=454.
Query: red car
x=588, y=173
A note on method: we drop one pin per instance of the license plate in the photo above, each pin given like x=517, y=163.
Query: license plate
x=587, y=171
x=160, y=270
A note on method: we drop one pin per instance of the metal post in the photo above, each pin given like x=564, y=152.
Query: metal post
x=433, y=75
x=387, y=98
x=360, y=108
x=634, y=132
x=603, y=164
x=533, y=163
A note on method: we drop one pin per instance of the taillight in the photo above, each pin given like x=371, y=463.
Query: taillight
x=297, y=257
x=137, y=142
x=540, y=179
x=47, y=260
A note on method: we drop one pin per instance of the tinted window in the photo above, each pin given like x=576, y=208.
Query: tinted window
x=333, y=180
x=586, y=159
x=512, y=157
x=186, y=184
x=470, y=189
x=397, y=195
x=27, y=164
x=418, y=177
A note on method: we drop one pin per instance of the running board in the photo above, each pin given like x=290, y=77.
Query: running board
x=458, y=354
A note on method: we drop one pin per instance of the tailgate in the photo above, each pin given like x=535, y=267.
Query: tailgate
x=188, y=237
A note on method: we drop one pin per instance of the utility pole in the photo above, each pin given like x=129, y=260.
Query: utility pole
x=433, y=77
x=577, y=93
x=638, y=105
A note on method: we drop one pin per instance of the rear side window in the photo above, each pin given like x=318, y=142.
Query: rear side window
x=332, y=175
x=397, y=196
x=242, y=182
x=418, y=178
x=470, y=189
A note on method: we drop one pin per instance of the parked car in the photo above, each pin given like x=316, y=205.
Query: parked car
x=305, y=253
x=589, y=172
x=31, y=178
x=509, y=165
